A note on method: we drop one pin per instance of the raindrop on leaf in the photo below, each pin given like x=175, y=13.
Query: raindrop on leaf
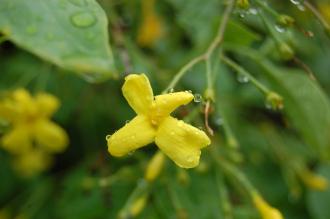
x=198, y=98
x=83, y=19
x=242, y=78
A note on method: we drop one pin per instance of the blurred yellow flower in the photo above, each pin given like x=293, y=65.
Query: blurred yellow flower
x=266, y=211
x=32, y=136
x=151, y=28
x=32, y=162
x=30, y=123
x=178, y=140
x=314, y=181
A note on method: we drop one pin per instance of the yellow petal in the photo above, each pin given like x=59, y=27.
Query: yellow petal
x=135, y=134
x=181, y=142
x=17, y=140
x=138, y=92
x=50, y=136
x=167, y=103
x=32, y=163
x=47, y=104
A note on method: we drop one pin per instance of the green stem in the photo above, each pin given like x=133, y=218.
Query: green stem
x=263, y=5
x=142, y=188
x=224, y=196
x=207, y=54
x=182, y=72
x=236, y=174
x=317, y=15
x=242, y=71
x=269, y=27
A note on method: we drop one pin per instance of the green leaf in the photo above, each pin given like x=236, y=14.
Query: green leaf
x=318, y=201
x=306, y=105
x=69, y=33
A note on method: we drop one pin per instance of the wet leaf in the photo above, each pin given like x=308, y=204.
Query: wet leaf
x=69, y=33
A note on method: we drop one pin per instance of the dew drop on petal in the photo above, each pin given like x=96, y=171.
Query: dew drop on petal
x=107, y=137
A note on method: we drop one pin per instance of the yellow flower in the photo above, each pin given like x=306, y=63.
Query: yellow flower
x=151, y=28
x=30, y=121
x=153, y=123
x=32, y=162
x=266, y=211
x=314, y=181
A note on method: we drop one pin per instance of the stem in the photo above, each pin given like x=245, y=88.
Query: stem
x=263, y=5
x=242, y=71
x=182, y=72
x=141, y=189
x=269, y=27
x=235, y=173
x=206, y=55
x=317, y=14
x=224, y=196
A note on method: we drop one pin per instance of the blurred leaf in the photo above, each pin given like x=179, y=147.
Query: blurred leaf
x=69, y=33
x=306, y=105
x=318, y=201
x=239, y=34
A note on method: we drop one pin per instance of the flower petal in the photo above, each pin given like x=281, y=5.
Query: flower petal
x=50, y=136
x=181, y=142
x=47, y=104
x=17, y=140
x=138, y=92
x=166, y=103
x=135, y=134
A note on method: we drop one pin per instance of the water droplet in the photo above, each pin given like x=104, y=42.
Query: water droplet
x=32, y=29
x=78, y=2
x=131, y=153
x=93, y=77
x=268, y=105
x=171, y=90
x=253, y=11
x=218, y=121
x=296, y=2
x=107, y=137
x=127, y=121
x=301, y=7
x=190, y=159
x=180, y=123
x=279, y=28
x=83, y=19
x=198, y=98
x=242, y=78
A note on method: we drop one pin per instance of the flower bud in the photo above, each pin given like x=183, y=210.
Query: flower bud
x=274, y=100
x=266, y=211
x=286, y=52
x=155, y=166
x=285, y=20
x=314, y=181
x=243, y=4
